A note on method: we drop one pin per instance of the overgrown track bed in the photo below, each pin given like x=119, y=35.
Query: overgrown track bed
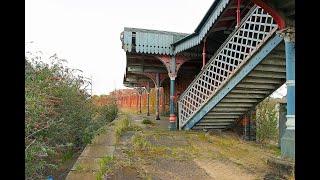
x=150, y=151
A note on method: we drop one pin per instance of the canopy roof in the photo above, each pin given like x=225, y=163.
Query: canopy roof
x=170, y=43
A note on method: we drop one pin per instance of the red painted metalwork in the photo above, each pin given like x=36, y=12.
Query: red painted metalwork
x=204, y=53
x=165, y=61
x=172, y=118
x=279, y=20
x=179, y=61
x=238, y=13
x=245, y=120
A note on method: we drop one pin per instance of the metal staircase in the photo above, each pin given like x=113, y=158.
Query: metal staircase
x=247, y=68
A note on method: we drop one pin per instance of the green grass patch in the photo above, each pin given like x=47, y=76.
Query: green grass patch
x=204, y=137
x=140, y=143
x=79, y=167
x=124, y=125
x=67, y=155
x=147, y=121
x=105, y=166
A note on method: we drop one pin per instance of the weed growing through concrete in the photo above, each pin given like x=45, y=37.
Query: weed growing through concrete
x=105, y=166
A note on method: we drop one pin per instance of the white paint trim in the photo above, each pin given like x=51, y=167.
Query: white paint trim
x=290, y=82
x=290, y=122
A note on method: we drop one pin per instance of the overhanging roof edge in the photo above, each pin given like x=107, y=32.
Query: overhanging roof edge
x=155, y=31
x=202, y=22
x=198, y=31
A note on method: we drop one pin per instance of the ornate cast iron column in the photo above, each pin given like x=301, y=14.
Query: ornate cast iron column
x=288, y=139
x=172, y=75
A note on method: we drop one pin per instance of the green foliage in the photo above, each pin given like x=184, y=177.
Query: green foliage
x=121, y=126
x=59, y=115
x=140, y=143
x=147, y=121
x=105, y=164
x=266, y=121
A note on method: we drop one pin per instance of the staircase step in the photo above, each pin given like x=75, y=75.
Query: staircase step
x=275, y=61
x=257, y=73
x=271, y=68
x=240, y=100
x=213, y=123
x=224, y=113
x=247, y=96
x=221, y=104
x=208, y=116
x=208, y=127
x=256, y=86
x=225, y=109
x=239, y=90
x=262, y=80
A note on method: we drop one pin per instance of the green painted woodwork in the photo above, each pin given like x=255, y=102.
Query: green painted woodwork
x=150, y=41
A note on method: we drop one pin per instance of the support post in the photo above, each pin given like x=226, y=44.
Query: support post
x=238, y=13
x=288, y=138
x=140, y=103
x=157, y=95
x=172, y=75
x=204, y=54
x=245, y=126
x=140, y=91
x=148, y=99
x=163, y=101
x=137, y=101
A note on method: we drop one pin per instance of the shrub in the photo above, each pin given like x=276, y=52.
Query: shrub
x=266, y=121
x=60, y=117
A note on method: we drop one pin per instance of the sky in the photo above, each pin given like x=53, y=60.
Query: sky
x=87, y=32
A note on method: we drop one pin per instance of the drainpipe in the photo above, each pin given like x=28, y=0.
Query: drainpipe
x=204, y=54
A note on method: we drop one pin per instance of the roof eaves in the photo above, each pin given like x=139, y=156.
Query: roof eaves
x=185, y=38
x=207, y=15
x=202, y=22
x=155, y=31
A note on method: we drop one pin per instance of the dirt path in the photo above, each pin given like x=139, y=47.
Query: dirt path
x=153, y=152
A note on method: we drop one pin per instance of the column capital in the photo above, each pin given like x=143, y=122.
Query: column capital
x=288, y=34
